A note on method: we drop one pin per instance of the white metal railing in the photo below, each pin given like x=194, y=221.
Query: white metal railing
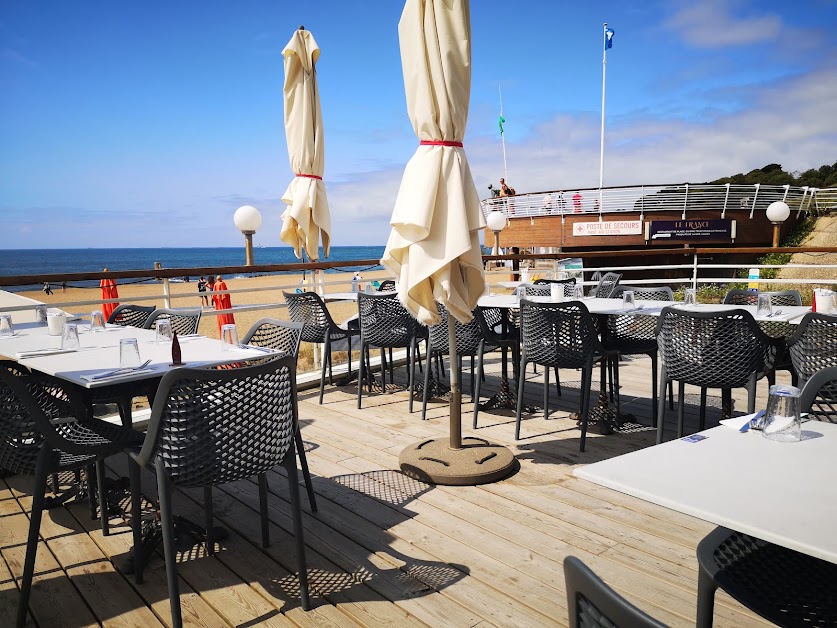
x=683, y=197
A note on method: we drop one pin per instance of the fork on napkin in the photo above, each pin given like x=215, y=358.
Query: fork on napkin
x=36, y=353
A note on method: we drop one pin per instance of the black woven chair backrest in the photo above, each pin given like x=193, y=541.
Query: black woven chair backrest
x=308, y=308
x=813, y=346
x=129, y=315
x=569, y=285
x=645, y=293
x=536, y=289
x=593, y=604
x=819, y=395
x=720, y=349
x=276, y=334
x=384, y=322
x=558, y=334
x=386, y=284
x=214, y=426
x=747, y=297
x=184, y=322
x=607, y=285
x=467, y=336
x=490, y=319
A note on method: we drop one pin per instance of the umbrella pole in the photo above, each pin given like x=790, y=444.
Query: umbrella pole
x=455, y=392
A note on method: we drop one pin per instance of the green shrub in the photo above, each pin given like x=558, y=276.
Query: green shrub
x=793, y=238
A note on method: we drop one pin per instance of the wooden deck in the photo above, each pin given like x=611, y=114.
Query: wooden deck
x=384, y=549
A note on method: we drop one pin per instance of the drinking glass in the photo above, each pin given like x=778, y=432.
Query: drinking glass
x=163, y=326
x=56, y=321
x=229, y=336
x=556, y=292
x=521, y=292
x=368, y=288
x=781, y=420
x=41, y=314
x=628, y=302
x=129, y=355
x=69, y=337
x=97, y=321
x=691, y=297
x=579, y=292
x=764, y=308
x=6, y=328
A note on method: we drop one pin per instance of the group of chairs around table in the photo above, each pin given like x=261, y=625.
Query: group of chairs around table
x=208, y=426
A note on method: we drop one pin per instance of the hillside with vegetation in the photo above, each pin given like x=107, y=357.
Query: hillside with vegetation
x=772, y=174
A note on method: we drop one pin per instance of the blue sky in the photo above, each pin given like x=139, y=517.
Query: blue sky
x=148, y=124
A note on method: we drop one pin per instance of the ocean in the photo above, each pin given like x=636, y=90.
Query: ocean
x=47, y=261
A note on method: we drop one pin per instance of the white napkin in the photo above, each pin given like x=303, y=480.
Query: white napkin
x=36, y=353
x=113, y=374
x=737, y=422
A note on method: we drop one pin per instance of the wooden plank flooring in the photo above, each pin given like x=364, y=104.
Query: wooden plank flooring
x=383, y=549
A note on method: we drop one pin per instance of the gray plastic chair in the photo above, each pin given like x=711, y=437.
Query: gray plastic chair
x=130, y=315
x=819, y=396
x=184, y=322
x=210, y=427
x=593, y=604
x=813, y=346
x=606, y=286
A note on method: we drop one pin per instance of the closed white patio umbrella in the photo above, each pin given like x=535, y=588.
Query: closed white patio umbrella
x=434, y=248
x=306, y=218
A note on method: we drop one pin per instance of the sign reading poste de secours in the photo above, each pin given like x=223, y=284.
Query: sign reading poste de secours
x=608, y=228
x=697, y=229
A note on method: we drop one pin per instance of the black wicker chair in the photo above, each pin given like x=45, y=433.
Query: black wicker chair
x=497, y=333
x=606, y=286
x=386, y=285
x=45, y=429
x=129, y=315
x=779, y=329
x=210, y=427
x=386, y=324
x=308, y=308
x=593, y=604
x=717, y=349
x=813, y=346
x=560, y=335
x=469, y=343
x=635, y=335
x=184, y=322
x=282, y=336
x=819, y=396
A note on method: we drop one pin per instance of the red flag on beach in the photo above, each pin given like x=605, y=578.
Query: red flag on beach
x=222, y=302
x=109, y=291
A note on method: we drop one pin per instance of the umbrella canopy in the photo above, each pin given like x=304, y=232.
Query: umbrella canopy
x=434, y=244
x=306, y=216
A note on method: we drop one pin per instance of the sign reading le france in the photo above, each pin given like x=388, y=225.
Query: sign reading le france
x=608, y=228
x=695, y=229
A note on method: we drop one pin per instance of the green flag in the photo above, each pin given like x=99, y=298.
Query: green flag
x=501, y=121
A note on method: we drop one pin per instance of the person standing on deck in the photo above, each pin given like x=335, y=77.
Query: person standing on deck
x=109, y=291
x=577, y=203
x=222, y=302
x=202, y=291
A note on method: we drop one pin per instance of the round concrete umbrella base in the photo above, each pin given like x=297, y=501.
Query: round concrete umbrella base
x=478, y=462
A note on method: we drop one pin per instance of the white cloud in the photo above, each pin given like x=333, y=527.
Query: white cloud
x=712, y=24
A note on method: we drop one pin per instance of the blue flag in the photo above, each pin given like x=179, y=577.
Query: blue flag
x=608, y=38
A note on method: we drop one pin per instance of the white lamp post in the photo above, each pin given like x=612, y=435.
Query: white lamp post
x=248, y=220
x=777, y=213
x=496, y=222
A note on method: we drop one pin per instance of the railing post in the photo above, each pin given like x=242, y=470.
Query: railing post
x=685, y=202
x=166, y=287
x=695, y=271
x=755, y=198
x=726, y=199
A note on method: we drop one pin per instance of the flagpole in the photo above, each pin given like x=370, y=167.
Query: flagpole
x=503, y=137
x=601, y=148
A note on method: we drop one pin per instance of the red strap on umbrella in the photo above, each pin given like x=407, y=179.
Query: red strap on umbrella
x=440, y=143
x=309, y=176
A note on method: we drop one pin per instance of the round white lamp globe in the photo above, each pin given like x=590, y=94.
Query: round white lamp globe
x=496, y=221
x=778, y=212
x=247, y=219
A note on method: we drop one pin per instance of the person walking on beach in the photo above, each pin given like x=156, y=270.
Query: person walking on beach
x=47, y=288
x=109, y=291
x=202, y=292
x=222, y=302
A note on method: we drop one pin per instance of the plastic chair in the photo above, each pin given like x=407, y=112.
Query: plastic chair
x=210, y=427
x=593, y=604
x=184, y=322
x=636, y=335
x=569, y=285
x=129, y=315
x=560, y=335
x=813, y=346
x=720, y=349
x=497, y=334
x=747, y=297
x=386, y=324
x=786, y=587
x=308, y=308
x=34, y=442
x=282, y=336
x=606, y=286
x=819, y=396
x=386, y=285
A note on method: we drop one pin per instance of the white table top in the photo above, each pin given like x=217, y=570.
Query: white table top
x=782, y=493
x=791, y=314
x=100, y=352
x=349, y=296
